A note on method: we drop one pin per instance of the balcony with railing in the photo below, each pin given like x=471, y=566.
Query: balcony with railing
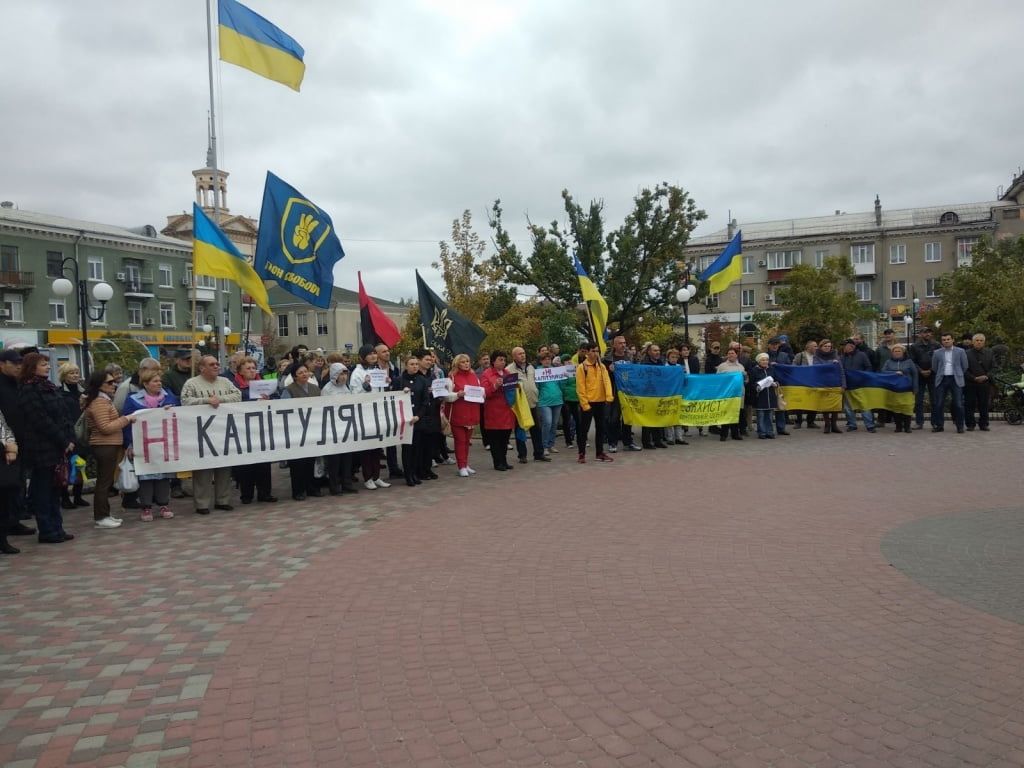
x=138, y=284
x=15, y=280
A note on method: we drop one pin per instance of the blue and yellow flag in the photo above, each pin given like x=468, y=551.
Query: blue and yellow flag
x=811, y=387
x=650, y=395
x=869, y=391
x=597, y=307
x=217, y=256
x=297, y=244
x=252, y=42
x=710, y=399
x=727, y=268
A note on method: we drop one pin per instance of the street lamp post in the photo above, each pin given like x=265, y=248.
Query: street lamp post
x=913, y=318
x=683, y=296
x=102, y=292
x=215, y=332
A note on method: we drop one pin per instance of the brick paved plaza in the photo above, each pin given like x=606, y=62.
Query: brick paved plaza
x=816, y=601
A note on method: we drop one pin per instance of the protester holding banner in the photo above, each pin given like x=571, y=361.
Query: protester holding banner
x=899, y=363
x=499, y=420
x=153, y=489
x=463, y=414
x=416, y=457
x=549, y=405
x=767, y=397
x=733, y=365
x=210, y=487
x=617, y=428
x=106, y=441
x=339, y=465
x=528, y=385
x=675, y=434
x=652, y=437
x=254, y=478
x=594, y=389
x=806, y=357
x=855, y=359
x=394, y=373
x=826, y=355
x=570, y=404
x=367, y=377
x=302, y=470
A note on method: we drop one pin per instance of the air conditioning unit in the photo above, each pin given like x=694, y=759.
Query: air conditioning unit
x=188, y=324
x=883, y=316
x=121, y=277
x=5, y=314
x=770, y=298
x=186, y=282
x=762, y=263
x=150, y=321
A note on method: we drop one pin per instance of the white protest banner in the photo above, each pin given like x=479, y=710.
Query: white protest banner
x=441, y=387
x=551, y=374
x=203, y=437
x=378, y=377
x=259, y=387
x=474, y=394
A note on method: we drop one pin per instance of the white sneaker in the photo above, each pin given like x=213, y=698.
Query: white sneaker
x=449, y=460
x=108, y=522
x=471, y=470
x=463, y=472
x=116, y=519
x=552, y=450
x=382, y=483
x=370, y=485
x=613, y=448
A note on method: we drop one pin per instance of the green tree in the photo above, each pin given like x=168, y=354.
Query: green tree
x=984, y=296
x=122, y=349
x=815, y=306
x=635, y=267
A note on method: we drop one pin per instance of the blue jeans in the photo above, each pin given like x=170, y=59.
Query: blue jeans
x=948, y=384
x=44, y=501
x=764, y=422
x=851, y=417
x=549, y=415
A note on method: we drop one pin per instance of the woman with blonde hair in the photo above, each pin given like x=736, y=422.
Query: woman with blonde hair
x=70, y=377
x=463, y=416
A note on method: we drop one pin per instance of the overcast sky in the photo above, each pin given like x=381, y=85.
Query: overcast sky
x=413, y=111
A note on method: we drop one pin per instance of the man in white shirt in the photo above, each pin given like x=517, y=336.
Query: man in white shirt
x=949, y=367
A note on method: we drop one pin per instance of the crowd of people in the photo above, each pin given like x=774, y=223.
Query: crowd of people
x=49, y=430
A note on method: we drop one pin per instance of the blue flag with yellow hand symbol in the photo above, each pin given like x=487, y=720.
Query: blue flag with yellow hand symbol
x=297, y=244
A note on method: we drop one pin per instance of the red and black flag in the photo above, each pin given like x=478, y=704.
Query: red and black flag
x=375, y=326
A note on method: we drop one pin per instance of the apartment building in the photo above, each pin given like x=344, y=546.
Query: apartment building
x=896, y=255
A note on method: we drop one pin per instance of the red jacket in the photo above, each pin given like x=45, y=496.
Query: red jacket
x=497, y=413
x=460, y=413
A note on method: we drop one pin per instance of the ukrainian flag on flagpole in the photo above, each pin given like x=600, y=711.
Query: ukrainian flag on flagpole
x=216, y=256
x=727, y=268
x=252, y=42
x=597, y=307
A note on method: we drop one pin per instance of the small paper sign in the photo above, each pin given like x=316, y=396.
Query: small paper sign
x=260, y=387
x=378, y=378
x=474, y=394
x=441, y=387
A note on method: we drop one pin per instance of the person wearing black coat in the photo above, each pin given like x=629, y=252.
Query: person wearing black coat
x=43, y=448
x=15, y=503
x=921, y=352
x=854, y=359
x=417, y=456
x=71, y=396
x=653, y=437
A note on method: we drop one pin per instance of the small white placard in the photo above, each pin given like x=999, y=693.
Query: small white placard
x=378, y=377
x=441, y=387
x=260, y=387
x=474, y=394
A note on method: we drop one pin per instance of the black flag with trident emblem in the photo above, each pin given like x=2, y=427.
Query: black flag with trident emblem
x=444, y=329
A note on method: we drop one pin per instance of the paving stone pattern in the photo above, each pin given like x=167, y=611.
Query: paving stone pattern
x=722, y=604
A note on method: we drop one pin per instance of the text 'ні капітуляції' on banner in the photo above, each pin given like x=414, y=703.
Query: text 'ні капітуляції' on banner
x=202, y=437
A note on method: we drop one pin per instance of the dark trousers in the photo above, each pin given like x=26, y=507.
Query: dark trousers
x=651, y=436
x=497, y=442
x=927, y=384
x=106, y=466
x=570, y=421
x=254, y=479
x=536, y=437
x=948, y=385
x=976, y=398
x=339, y=471
x=618, y=430
x=425, y=445
x=302, y=475
x=392, y=454
x=808, y=415
x=44, y=501
x=597, y=415
x=409, y=460
x=370, y=464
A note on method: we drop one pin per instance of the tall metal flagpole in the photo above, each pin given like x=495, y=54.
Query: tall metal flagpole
x=211, y=160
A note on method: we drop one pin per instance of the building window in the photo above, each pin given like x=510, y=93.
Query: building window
x=931, y=288
x=225, y=286
x=58, y=312
x=819, y=258
x=783, y=259
x=53, y=264
x=748, y=265
x=94, y=311
x=949, y=218
x=863, y=290
x=166, y=276
x=705, y=261
x=95, y=268
x=964, y=251
x=711, y=301
x=747, y=297
x=898, y=289
x=8, y=258
x=205, y=281
x=282, y=325
x=302, y=324
x=167, y=314
x=1011, y=213
x=200, y=318
x=932, y=252
x=321, y=323
x=134, y=313
x=897, y=254
x=14, y=308
x=863, y=253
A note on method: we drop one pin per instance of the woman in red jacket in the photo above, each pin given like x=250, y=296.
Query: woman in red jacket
x=498, y=416
x=462, y=415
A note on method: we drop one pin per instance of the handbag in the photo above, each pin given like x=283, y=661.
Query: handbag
x=82, y=430
x=61, y=473
x=127, y=480
x=783, y=406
